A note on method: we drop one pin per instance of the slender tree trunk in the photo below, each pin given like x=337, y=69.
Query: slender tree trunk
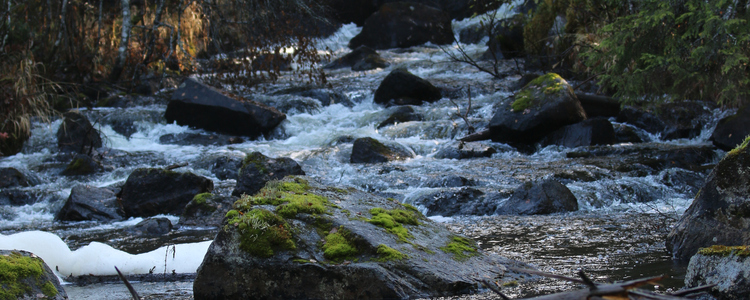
x=154, y=28
x=123, y=49
x=7, y=13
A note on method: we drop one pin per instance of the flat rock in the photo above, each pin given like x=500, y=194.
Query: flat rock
x=151, y=191
x=540, y=197
x=89, y=203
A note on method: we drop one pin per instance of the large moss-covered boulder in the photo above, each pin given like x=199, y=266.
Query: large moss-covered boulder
x=152, y=191
x=542, y=106
x=298, y=239
x=402, y=25
x=732, y=130
x=24, y=275
x=728, y=267
x=720, y=213
x=257, y=169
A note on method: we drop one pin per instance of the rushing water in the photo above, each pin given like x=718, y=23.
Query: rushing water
x=618, y=234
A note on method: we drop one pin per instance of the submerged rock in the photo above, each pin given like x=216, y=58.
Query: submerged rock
x=76, y=134
x=720, y=213
x=590, y=132
x=198, y=105
x=257, y=169
x=402, y=25
x=207, y=210
x=541, y=197
x=401, y=87
x=463, y=150
x=82, y=165
x=88, y=203
x=297, y=239
x=151, y=227
x=463, y=201
x=544, y=105
x=26, y=276
x=726, y=267
x=150, y=191
x=732, y=130
x=370, y=150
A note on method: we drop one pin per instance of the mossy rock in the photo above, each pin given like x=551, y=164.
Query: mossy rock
x=297, y=238
x=24, y=275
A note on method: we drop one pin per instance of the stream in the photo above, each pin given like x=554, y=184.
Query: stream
x=626, y=206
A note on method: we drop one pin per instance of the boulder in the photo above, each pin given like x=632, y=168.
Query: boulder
x=257, y=169
x=598, y=105
x=732, y=130
x=728, y=267
x=449, y=181
x=361, y=59
x=26, y=276
x=452, y=202
x=151, y=191
x=402, y=25
x=625, y=133
x=683, y=120
x=227, y=167
x=325, y=96
x=82, y=164
x=76, y=134
x=206, y=210
x=370, y=150
x=198, y=105
x=542, y=106
x=461, y=150
x=151, y=227
x=720, y=213
x=540, y=197
x=641, y=119
x=357, y=11
x=12, y=177
x=401, y=87
x=88, y=203
x=590, y=132
x=655, y=156
x=298, y=239
x=401, y=114
x=186, y=139
x=17, y=197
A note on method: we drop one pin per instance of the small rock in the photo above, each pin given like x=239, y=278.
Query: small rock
x=401, y=87
x=401, y=114
x=88, y=203
x=462, y=150
x=370, y=150
x=541, y=197
x=590, y=132
x=732, y=130
x=361, y=59
x=151, y=227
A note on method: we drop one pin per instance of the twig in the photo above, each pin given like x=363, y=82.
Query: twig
x=175, y=166
x=130, y=287
x=494, y=289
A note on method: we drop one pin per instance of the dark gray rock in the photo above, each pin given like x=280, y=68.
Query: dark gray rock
x=720, y=213
x=258, y=169
x=12, y=177
x=198, y=105
x=688, y=182
x=627, y=134
x=683, y=120
x=464, y=201
x=450, y=181
x=507, y=39
x=185, y=139
x=401, y=87
x=149, y=192
x=729, y=272
x=461, y=150
x=151, y=227
x=402, y=25
x=336, y=253
x=82, y=164
x=206, y=210
x=370, y=150
x=641, y=119
x=289, y=104
x=732, y=130
x=17, y=197
x=76, y=134
x=655, y=156
x=361, y=59
x=590, y=132
x=226, y=167
x=540, y=197
x=32, y=279
x=598, y=105
x=401, y=114
x=326, y=96
x=88, y=203
x=544, y=105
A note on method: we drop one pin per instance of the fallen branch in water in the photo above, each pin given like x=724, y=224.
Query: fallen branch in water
x=130, y=287
x=175, y=166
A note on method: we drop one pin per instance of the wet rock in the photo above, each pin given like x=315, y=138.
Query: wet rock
x=186, y=139
x=726, y=267
x=732, y=130
x=357, y=11
x=401, y=87
x=12, y=177
x=361, y=59
x=17, y=197
x=325, y=96
x=370, y=150
x=82, y=165
x=462, y=150
x=641, y=119
x=226, y=167
x=198, y=105
x=688, y=182
x=540, y=197
x=720, y=213
x=206, y=210
x=450, y=181
x=26, y=276
x=507, y=40
x=89, y=203
x=598, y=105
x=683, y=120
x=464, y=201
x=402, y=25
x=76, y=134
x=338, y=248
x=151, y=227
x=655, y=156
x=290, y=104
x=627, y=134
x=544, y=105
x=401, y=114
x=149, y=192
x=590, y=132
x=258, y=169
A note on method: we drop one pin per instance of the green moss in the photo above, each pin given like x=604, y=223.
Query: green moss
x=461, y=248
x=388, y=254
x=411, y=208
x=510, y=283
x=549, y=83
x=721, y=250
x=301, y=261
x=392, y=221
x=261, y=232
x=49, y=289
x=257, y=159
x=338, y=245
x=740, y=147
x=290, y=199
x=202, y=198
x=523, y=100
x=13, y=269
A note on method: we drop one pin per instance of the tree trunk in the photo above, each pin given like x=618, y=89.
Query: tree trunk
x=123, y=49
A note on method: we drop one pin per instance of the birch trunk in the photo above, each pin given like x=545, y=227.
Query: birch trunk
x=123, y=49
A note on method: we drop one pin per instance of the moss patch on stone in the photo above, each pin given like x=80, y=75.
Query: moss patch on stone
x=721, y=250
x=461, y=248
x=388, y=254
x=14, y=268
x=549, y=84
x=338, y=245
x=393, y=219
x=257, y=160
x=740, y=147
x=261, y=232
x=290, y=198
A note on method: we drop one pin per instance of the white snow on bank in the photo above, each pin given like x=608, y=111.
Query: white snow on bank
x=100, y=259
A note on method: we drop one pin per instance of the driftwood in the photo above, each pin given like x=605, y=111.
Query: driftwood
x=130, y=286
x=612, y=291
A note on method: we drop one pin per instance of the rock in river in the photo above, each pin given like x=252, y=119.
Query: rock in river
x=541, y=197
x=401, y=87
x=149, y=192
x=727, y=267
x=402, y=25
x=88, y=203
x=26, y=276
x=370, y=150
x=257, y=169
x=298, y=239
